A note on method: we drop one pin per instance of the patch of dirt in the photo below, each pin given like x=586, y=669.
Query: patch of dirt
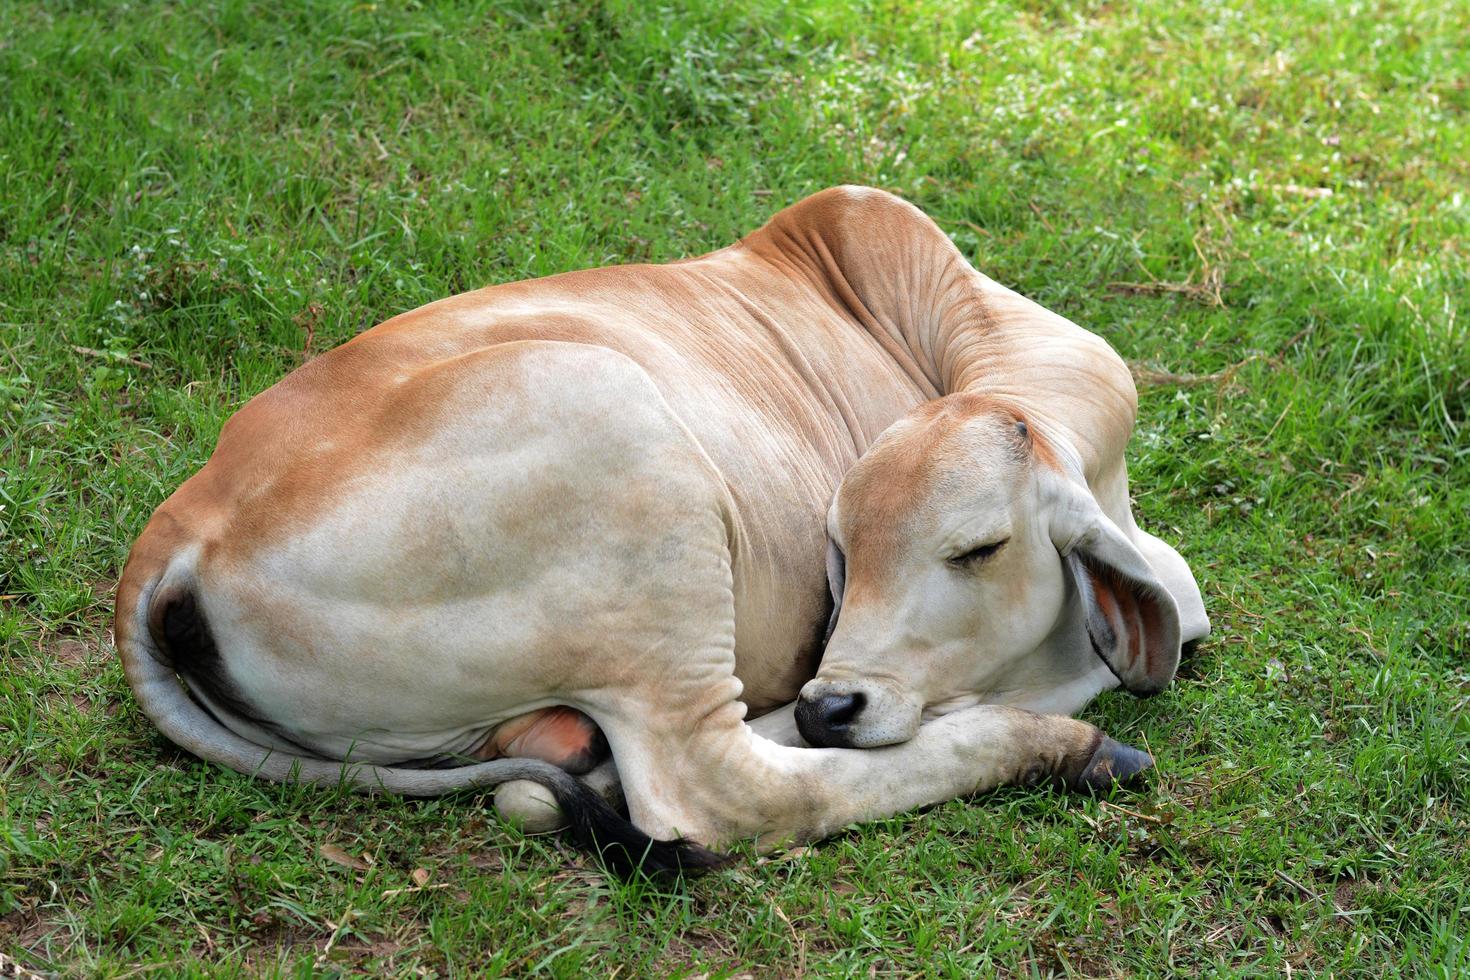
x=696, y=948
x=24, y=931
x=273, y=938
x=486, y=860
x=71, y=651
x=23, y=927
x=1345, y=895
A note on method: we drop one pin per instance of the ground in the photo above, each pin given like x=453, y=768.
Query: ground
x=1262, y=206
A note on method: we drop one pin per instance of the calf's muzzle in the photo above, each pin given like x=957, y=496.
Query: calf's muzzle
x=825, y=720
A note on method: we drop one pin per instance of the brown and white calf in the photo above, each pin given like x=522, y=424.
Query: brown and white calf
x=470, y=544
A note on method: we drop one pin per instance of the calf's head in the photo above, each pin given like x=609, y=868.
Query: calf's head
x=969, y=563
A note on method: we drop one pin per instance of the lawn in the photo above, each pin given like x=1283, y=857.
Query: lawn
x=1265, y=207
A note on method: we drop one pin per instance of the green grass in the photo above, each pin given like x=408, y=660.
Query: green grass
x=198, y=194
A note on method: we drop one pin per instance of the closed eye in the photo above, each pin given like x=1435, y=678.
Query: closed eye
x=977, y=555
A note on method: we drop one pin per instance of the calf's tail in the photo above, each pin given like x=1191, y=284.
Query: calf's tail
x=592, y=823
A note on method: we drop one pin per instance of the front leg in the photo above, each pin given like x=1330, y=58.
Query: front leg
x=725, y=782
x=778, y=726
x=691, y=766
x=532, y=808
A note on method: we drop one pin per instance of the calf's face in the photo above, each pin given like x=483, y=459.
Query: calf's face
x=968, y=565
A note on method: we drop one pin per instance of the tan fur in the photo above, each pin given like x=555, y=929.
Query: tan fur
x=880, y=497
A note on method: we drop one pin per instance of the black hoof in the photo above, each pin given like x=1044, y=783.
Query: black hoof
x=1111, y=763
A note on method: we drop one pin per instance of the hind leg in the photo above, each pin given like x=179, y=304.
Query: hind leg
x=562, y=736
x=529, y=806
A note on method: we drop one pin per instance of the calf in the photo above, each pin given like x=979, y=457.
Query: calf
x=464, y=548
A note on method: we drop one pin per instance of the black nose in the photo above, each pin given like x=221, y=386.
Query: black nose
x=824, y=722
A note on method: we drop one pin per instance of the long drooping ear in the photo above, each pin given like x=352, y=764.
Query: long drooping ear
x=836, y=582
x=1132, y=620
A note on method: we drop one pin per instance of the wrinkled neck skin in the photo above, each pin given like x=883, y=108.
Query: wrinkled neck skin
x=866, y=311
x=951, y=329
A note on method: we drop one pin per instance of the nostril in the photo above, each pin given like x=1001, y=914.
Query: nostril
x=840, y=709
x=825, y=721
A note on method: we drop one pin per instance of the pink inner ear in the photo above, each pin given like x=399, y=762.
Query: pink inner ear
x=1136, y=623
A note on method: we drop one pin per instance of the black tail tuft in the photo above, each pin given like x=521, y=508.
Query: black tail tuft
x=625, y=849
